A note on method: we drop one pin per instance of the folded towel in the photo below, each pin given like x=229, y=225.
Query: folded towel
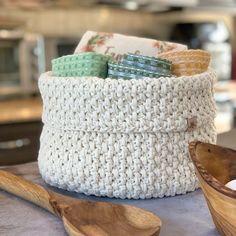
x=116, y=45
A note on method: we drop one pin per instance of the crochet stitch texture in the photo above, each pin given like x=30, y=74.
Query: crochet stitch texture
x=124, y=138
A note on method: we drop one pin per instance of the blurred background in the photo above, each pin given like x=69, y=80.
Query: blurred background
x=32, y=32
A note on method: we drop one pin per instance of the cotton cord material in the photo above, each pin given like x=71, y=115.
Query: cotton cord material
x=124, y=138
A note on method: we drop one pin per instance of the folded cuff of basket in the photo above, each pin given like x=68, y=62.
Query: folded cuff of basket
x=148, y=105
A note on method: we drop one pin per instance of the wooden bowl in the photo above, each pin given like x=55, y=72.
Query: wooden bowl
x=215, y=166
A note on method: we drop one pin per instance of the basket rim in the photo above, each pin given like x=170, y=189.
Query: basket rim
x=173, y=77
x=162, y=83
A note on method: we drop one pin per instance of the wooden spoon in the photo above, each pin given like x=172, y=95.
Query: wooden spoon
x=85, y=218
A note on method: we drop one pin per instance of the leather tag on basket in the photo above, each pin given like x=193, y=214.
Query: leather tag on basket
x=192, y=123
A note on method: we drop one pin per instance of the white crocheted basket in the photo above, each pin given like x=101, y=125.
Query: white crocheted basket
x=124, y=138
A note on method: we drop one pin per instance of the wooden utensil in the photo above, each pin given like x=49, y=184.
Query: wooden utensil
x=85, y=218
x=215, y=166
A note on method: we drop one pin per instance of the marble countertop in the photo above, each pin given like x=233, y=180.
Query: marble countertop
x=183, y=215
x=20, y=110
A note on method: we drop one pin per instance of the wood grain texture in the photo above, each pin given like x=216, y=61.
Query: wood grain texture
x=215, y=166
x=85, y=218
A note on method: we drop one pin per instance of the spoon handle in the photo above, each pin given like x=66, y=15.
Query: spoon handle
x=26, y=190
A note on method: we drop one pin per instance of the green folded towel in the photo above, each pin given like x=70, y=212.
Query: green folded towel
x=83, y=64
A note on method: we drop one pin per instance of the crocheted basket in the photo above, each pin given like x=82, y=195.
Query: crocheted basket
x=124, y=138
